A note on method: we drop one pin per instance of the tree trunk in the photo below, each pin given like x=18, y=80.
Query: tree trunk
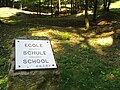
x=108, y=6
x=86, y=15
x=51, y=8
x=105, y=4
x=39, y=7
x=95, y=10
x=13, y=4
x=71, y=7
x=59, y=5
x=1, y=22
x=21, y=5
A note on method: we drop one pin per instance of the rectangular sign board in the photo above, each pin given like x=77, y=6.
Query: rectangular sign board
x=33, y=54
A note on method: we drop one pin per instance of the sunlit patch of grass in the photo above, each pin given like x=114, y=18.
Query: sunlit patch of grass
x=3, y=83
x=41, y=33
x=105, y=34
x=99, y=43
x=89, y=34
x=61, y=35
x=55, y=35
x=64, y=36
x=84, y=45
x=103, y=41
x=3, y=80
x=115, y=5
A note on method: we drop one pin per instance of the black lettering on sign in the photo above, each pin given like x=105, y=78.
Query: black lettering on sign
x=34, y=52
x=33, y=61
x=32, y=45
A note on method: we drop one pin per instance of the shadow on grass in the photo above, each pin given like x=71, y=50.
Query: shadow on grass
x=83, y=69
x=115, y=10
x=4, y=58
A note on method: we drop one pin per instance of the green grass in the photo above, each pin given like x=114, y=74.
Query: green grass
x=3, y=83
x=83, y=69
x=115, y=7
x=115, y=10
x=83, y=64
x=115, y=4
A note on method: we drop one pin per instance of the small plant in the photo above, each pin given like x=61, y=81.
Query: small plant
x=63, y=36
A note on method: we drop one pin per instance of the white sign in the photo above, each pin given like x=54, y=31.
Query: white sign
x=33, y=54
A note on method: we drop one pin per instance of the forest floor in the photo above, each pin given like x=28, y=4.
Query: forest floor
x=87, y=60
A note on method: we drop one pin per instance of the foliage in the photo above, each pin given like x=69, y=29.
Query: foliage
x=3, y=83
x=63, y=36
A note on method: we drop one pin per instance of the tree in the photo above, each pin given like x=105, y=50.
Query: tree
x=86, y=15
x=4, y=2
x=109, y=2
x=71, y=6
x=59, y=5
x=106, y=4
x=95, y=10
x=1, y=22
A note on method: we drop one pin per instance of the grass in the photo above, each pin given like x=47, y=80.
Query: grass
x=115, y=7
x=88, y=60
x=115, y=4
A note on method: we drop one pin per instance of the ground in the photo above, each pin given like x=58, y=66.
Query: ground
x=87, y=60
